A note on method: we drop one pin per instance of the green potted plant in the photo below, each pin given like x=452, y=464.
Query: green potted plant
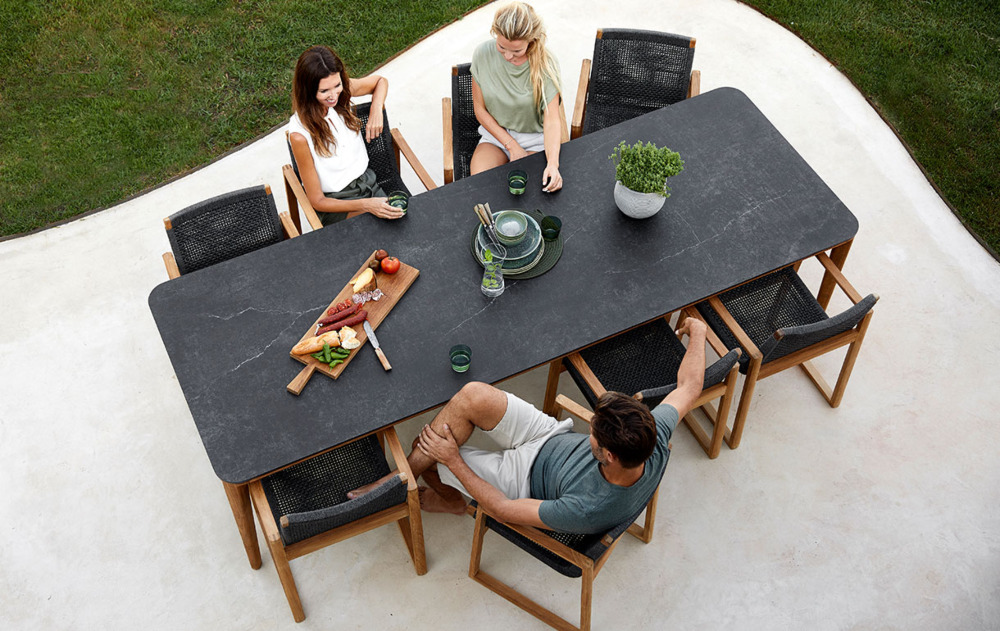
x=641, y=173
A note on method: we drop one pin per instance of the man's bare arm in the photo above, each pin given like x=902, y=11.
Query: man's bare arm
x=691, y=374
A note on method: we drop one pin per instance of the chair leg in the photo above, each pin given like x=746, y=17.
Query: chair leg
x=745, y=399
x=644, y=533
x=413, y=534
x=477, y=545
x=287, y=581
x=586, y=598
x=552, y=387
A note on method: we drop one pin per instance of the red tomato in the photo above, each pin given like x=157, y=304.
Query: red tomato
x=390, y=265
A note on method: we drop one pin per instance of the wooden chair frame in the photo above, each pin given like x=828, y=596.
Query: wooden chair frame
x=406, y=516
x=580, y=107
x=717, y=417
x=588, y=566
x=449, y=153
x=758, y=370
x=298, y=200
x=291, y=231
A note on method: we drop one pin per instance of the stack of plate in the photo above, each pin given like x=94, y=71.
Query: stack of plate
x=522, y=256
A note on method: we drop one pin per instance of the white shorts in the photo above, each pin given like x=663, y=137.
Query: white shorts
x=520, y=433
x=529, y=141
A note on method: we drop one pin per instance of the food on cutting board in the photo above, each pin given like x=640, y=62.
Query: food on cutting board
x=349, y=338
x=380, y=254
x=390, y=265
x=357, y=318
x=365, y=281
x=313, y=344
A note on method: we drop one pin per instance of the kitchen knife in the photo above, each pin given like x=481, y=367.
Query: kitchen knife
x=378, y=348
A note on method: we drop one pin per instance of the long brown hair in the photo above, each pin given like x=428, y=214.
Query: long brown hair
x=314, y=65
x=518, y=21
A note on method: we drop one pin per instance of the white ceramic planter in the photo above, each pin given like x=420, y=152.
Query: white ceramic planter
x=637, y=205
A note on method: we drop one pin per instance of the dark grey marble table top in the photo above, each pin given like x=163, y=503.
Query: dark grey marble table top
x=746, y=204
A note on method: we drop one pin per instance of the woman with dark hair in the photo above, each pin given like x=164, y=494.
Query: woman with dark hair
x=325, y=135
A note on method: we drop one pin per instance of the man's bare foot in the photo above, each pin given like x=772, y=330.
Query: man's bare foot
x=368, y=488
x=448, y=493
x=431, y=502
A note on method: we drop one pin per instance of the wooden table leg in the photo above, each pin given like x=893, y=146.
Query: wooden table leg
x=838, y=255
x=239, y=501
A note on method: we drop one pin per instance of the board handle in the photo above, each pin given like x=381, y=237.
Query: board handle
x=301, y=379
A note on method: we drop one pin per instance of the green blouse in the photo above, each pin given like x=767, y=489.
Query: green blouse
x=507, y=91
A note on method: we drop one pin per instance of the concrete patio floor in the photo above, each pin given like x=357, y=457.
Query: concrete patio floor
x=881, y=514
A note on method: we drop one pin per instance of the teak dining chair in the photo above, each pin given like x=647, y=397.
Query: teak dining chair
x=461, y=128
x=644, y=361
x=383, y=158
x=572, y=555
x=222, y=228
x=633, y=72
x=779, y=324
x=305, y=508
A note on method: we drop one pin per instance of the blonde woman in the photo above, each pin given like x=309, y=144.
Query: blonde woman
x=515, y=94
x=325, y=135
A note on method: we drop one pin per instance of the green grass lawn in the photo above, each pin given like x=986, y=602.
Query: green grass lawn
x=932, y=68
x=101, y=100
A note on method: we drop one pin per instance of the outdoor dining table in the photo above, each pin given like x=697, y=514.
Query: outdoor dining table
x=746, y=204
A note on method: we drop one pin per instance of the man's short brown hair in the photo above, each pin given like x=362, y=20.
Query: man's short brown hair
x=625, y=427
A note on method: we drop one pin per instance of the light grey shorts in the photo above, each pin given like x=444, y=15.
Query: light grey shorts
x=520, y=434
x=529, y=141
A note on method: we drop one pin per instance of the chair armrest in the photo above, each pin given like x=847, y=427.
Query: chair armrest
x=736, y=329
x=839, y=278
x=574, y=408
x=694, y=85
x=587, y=374
x=171, y=264
x=580, y=107
x=264, y=514
x=449, y=157
x=295, y=186
x=402, y=463
x=543, y=540
x=404, y=148
x=288, y=225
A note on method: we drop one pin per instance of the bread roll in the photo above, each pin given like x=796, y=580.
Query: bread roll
x=315, y=344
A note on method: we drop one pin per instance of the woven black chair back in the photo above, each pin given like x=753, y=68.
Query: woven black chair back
x=313, y=493
x=780, y=316
x=634, y=72
x=464, y=126
x=224, y=227
x=590, y=545
x=644, y=359
x=381, y=153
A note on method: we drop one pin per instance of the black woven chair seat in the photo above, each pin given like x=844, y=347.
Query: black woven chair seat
x=645, y=359
x=780, y=316
x=224, y=227
x=635, y=72
x=464, y=125
x=313, y=493
x=381, y=153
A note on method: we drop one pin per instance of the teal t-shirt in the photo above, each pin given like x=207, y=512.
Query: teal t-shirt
x=576, y=497
x=507, y=91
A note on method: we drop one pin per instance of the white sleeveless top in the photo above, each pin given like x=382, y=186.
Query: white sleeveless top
x=349, y=158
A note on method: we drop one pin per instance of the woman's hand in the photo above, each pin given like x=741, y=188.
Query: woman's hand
x=379, y=207
x=374, y=128
x=516, y=152
x=551, y=179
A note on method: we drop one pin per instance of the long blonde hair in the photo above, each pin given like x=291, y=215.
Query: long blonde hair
x=518, y=21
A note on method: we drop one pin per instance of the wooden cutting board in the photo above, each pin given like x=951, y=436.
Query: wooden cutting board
x=393, y=287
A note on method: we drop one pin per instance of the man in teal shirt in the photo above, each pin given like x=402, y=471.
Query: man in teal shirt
x=546, y=475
